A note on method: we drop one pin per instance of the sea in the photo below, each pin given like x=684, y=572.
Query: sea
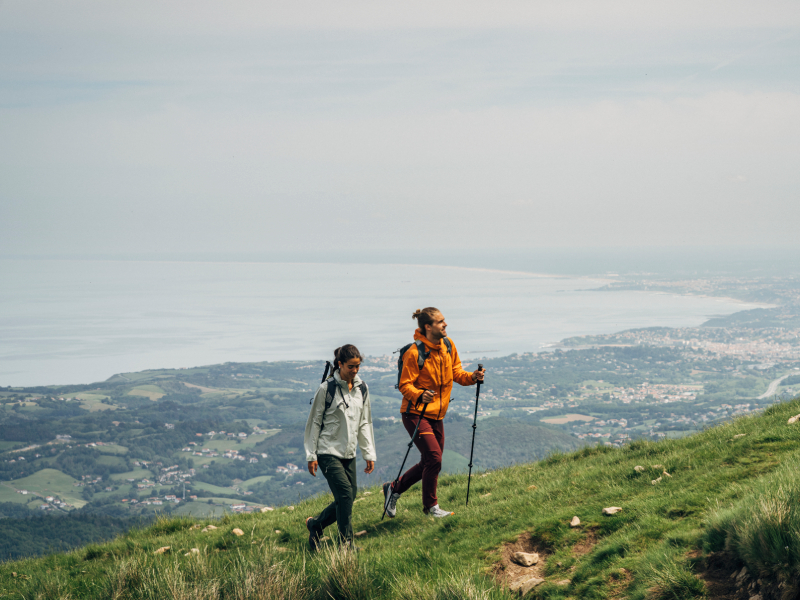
x=82, y=321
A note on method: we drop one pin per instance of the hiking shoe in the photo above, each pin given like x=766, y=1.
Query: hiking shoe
x=390, y=500
x=314, y=534
x=435, y=511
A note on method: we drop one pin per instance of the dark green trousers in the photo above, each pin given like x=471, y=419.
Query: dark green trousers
x=341, y=476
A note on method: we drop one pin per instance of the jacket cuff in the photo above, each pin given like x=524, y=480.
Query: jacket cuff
x=311, y=458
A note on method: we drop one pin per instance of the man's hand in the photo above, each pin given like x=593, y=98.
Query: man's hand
x=478, y=375
x=312, y=467
x=370, y=467
x=427, y=397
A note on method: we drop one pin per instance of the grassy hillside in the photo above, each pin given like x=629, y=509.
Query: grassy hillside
x=697, y=509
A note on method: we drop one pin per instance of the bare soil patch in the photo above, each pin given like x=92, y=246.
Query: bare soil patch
x=587, y=544
x=507, y=571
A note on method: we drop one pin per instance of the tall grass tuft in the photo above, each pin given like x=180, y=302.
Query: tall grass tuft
x=762, y=530
x=343, y=576
x=669, y=577
x=452, y=587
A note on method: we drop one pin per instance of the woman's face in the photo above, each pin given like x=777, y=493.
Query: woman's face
x=349, y=369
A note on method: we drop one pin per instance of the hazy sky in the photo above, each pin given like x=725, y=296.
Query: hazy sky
x=196, y=126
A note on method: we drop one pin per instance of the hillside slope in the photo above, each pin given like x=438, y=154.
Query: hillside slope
x=705, y=505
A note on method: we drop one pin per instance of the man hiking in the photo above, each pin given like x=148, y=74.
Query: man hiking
x=426, y=395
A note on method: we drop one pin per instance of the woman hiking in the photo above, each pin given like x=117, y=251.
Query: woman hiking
x=426, y=382
x=340, y=420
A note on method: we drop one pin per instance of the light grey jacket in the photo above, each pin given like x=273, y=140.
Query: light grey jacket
x=348, y=423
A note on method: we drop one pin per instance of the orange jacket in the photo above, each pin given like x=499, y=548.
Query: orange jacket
x=437, y=374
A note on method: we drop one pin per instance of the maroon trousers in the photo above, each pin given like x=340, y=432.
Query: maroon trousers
x=430, y=443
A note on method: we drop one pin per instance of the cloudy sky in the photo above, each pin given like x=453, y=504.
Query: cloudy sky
x=197, y=126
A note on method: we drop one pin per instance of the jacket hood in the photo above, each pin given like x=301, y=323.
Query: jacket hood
x=340, y=381
x=418, y=335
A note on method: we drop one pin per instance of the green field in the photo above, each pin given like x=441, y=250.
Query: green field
x=453, y=462
x=51, y=482
x=110, y=460
x=8, y=494
x=135, y=474
x=255, y=481
x=213, y=489
x=153, y=392
x=112, y=449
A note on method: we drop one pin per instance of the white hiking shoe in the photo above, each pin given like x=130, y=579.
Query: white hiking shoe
x=435, y=511
x=390, y=500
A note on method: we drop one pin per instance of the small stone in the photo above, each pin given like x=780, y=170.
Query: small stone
x=324, y=538
x=667, y=474
x=611, y=510
x=267, y=509
x=195, y=551
x=525, y=559
x=361, y=533
x=162, y=550
x=368, y=493
x=738, y=435
x=277, y=531
x=238, y=532
x=742, y=577
x=290, y=508
x=563, y=582
x=792, y=420
x=211, y=527
x=358, y=500
x=638, y=468
x=531, y=487
x=756, y=597
x=486, y=495
x=523, y=586
x=656, y=481
x=576, y=522
x=734, y=574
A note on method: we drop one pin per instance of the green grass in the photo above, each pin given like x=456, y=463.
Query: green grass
x=135, y=474
x=214, y=489
x=51, y=482
x=724, y=493
x=255, y=481
x=112, y=449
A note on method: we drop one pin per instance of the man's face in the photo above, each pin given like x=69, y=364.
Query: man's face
x=438, y=329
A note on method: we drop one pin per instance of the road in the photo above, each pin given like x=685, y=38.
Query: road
x=773, y=387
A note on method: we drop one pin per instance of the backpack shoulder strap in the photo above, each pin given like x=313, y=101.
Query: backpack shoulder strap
x=422, y=354
x=363, y=387
x=449, y=345
x=329, y=395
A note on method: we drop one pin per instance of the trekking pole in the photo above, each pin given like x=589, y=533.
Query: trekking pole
x=411, y=443
x=474, y=427
x=328, y=365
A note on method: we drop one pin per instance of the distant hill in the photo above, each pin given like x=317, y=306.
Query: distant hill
x=712, y=515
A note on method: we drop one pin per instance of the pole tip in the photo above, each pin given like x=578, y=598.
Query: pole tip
x=480, y=367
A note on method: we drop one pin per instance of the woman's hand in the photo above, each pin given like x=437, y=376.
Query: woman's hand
x=312, y=467
x=370, y=467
